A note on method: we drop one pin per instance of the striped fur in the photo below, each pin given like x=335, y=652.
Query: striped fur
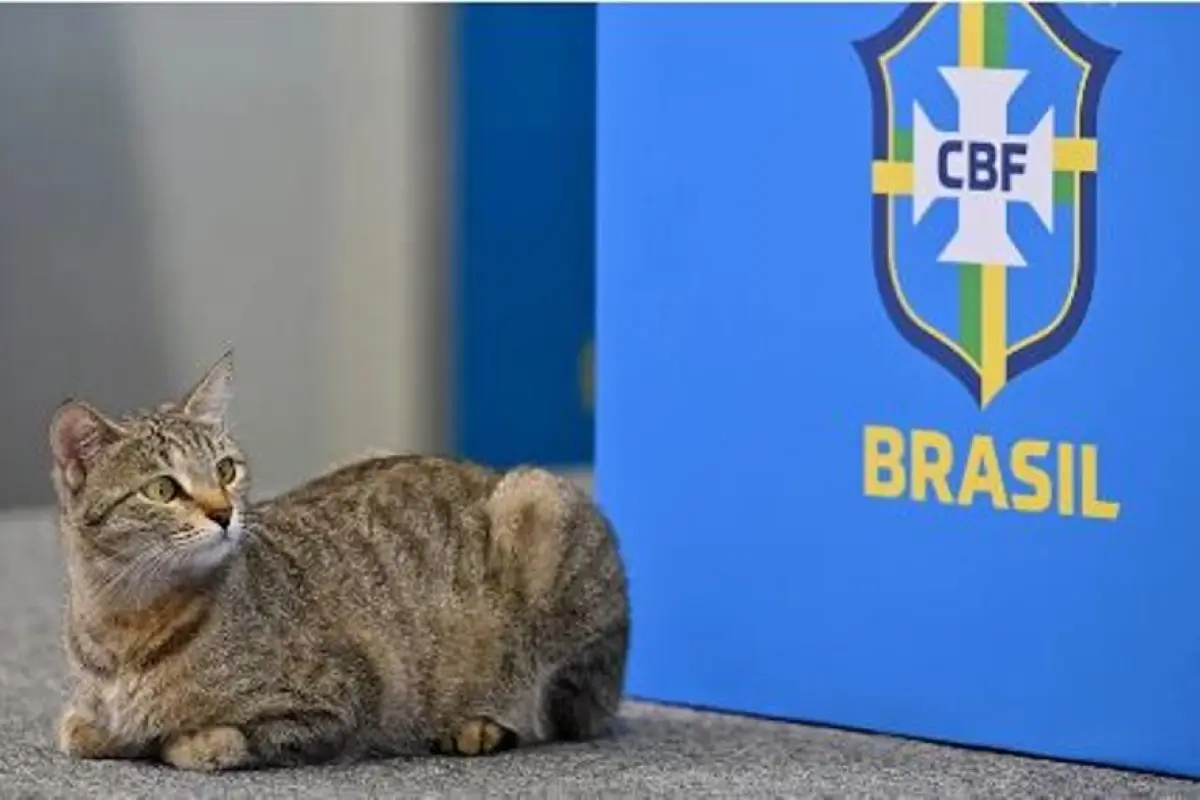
x=395, y=605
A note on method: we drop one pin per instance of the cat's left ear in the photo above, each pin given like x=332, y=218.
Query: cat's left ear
x=208, y=401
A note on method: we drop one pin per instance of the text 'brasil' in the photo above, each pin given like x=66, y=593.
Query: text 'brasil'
x=1034, y=476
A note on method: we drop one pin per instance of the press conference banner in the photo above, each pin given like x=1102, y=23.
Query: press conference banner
x=896, y=413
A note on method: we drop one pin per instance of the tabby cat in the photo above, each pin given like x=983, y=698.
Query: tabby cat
x=397, y=605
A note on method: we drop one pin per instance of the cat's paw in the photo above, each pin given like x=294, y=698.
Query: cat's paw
x=480, y=736
x=80, y=737
x=208, y=750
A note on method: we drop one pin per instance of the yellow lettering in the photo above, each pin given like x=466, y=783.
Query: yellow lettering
x=883, y=461
x=1066, y=479
x=1033, y=476
x=1091, y=504
x=982, y=474
x=932, y=459
x=1043, y=476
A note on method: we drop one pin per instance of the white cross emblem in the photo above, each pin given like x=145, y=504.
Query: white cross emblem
x=983, y=166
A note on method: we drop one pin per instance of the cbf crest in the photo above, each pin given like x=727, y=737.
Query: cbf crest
x=984, y=165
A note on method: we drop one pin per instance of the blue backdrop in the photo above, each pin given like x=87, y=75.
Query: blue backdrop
x=795, y=375
x=524, y=238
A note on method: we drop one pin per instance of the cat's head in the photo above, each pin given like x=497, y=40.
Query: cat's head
x=154, y=500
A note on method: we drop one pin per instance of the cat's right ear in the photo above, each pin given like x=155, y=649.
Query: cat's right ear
x=208, y=400
x=78, y=434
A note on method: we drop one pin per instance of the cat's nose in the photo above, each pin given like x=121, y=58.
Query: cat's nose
x=221, y=515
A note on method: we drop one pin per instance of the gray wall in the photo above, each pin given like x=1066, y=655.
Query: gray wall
x=177, y=178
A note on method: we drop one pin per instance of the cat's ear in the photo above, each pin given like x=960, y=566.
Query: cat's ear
x=78, y=434
x=208, y=401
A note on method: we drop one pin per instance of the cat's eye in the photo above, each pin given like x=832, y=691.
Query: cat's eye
x=161, y=490
x=227, y=470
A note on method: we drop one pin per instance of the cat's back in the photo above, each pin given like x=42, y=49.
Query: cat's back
x=385, y=499
x=361, y=486
x=408, y=476
x=378, y=513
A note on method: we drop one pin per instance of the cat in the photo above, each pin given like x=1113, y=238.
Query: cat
x=398, y=605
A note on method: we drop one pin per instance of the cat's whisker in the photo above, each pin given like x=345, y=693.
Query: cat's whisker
x=143, y=576
x=126, y=582
x=250, y=533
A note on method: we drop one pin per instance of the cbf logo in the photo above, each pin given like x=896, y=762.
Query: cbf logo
x=984, y=162
x=984, y=180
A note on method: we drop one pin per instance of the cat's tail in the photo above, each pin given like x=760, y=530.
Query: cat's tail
x=529, y=511
x=553, y=551
x=555, y=554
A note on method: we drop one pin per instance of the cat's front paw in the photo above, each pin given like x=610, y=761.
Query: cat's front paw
x=208, y=750
x=81, y=737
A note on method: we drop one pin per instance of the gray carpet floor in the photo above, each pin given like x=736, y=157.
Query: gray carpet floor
x=659, y=752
